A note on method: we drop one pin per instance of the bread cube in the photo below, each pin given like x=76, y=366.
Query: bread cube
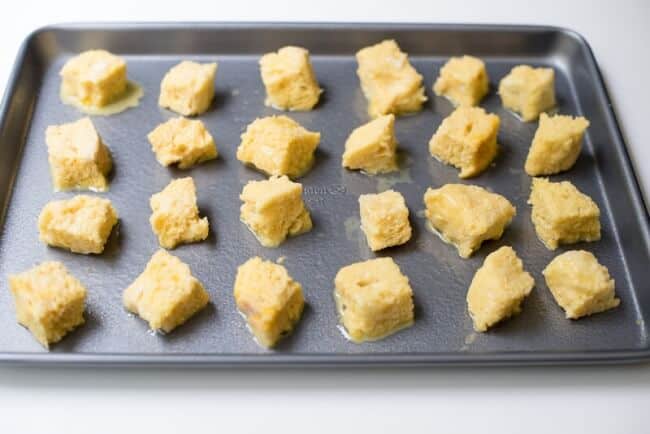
x=94, y=78
x=273, y=210
x=278, y=145
x=466, y=139
x=373, y=299
x=270, y=300
x=289, y=79
x=384, y=219
x=580, y=284
x=372, y=146
x=462, y=80
x=166, y=294
x=175, y=217
x=188, y=88
x=78, y=157
x=562, y=214
x=388, y=80
x=81, y=224
x=49, y=301
x=528, y=91
x=498, y=288
x=556, y=144
x=467, y=215
x=182, y=141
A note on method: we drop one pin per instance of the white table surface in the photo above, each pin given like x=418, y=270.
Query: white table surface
x=506, y=400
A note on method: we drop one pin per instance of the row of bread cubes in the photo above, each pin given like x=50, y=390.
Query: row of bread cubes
x=264, y=145
x=391, y=84
x=373, y=296
x=96, y=78
x=466, y=139
x=277, y=145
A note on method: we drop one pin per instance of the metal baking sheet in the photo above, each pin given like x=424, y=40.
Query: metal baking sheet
x=442, y=333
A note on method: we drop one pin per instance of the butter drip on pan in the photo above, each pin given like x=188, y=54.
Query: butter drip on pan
x=129, y=99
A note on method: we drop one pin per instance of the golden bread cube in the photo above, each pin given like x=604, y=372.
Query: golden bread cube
x=165, y=294
x=466, y=139
x=528, y=91
x=372, y=147
x=188, y=88
x=278, y=145
x=175, y=215
x=182, y=141
x=94, y=78
x=467, y=215
x=384, y=219
x=580, y=284
x=562, y=214
x=273, y=209
x=269, y=299
x=556, y=145
x=373, y=299
x=462, y=80
x=49, y=301
x=289, y=79
x=498, y=289
x=388, y=80
x=81, y=224
x=78, y=158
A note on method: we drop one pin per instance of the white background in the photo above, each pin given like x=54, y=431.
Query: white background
x=507, y=400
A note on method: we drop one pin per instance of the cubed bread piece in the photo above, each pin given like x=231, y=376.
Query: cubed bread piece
x=384, y=219
x=498, y=288
x=270, y=300
x=49, y=301
x=175, y=217
x=273, y=210
x=388, y=80
x=372, y=146
x=78, y=157
x=528, y=91
x=94, y=78
x=278, y=145
x=81, y=224
x=289, y=79
x=182, y=141
x=188, y=88
x=562, y=214
x=462, y=80
x=165, y=294
x=466, y=139
x=373, y=299
x=580, y=284
x=556, y=144
x=467, y=215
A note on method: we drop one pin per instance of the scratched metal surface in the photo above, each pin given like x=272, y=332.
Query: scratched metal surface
x=442, y=332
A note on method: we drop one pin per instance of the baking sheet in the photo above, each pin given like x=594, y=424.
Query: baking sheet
x=442, y=333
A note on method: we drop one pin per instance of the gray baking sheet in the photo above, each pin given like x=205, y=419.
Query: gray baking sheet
x=442, y=333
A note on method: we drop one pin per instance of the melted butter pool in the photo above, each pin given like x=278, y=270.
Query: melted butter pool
x=130, y=99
